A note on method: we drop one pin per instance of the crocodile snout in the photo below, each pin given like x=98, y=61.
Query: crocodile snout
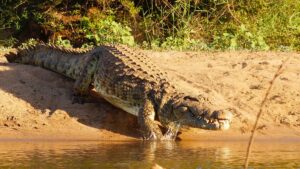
x=222, y=119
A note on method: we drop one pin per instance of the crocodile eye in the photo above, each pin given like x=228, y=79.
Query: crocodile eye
x=190, y=98
x=193, y=115
x=183, y=109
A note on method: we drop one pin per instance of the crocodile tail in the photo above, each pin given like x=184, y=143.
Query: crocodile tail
x=68, y=62
x=16, y=55
x=24, y=55
x=11, y=56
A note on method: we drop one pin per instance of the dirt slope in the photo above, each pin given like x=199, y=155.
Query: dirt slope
x=36, y=103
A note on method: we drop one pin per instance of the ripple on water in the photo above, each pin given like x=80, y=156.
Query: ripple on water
x=177, y=155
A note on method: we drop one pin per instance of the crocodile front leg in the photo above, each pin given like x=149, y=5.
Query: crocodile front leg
x=172, y=130
x=146, y=115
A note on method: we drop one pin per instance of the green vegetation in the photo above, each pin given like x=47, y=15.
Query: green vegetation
x=171, y=24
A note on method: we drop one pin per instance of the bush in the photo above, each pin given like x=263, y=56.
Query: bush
x=106, y=31
x=172, y=24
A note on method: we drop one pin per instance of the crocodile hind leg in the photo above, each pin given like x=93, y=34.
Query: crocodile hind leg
x=82, y=84
x=150, y=129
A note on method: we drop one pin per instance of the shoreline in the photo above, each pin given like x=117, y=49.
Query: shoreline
x=216, y=136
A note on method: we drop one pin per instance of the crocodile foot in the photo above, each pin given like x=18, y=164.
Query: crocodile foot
x=150, y=136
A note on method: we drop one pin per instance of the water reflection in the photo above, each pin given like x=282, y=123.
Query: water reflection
x=177, y=155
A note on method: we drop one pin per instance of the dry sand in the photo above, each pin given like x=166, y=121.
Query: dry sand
x=36, y=103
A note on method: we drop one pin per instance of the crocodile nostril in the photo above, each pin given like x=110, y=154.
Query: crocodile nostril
x=215, y=114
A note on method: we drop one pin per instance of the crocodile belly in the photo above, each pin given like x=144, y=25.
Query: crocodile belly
x=118, y=102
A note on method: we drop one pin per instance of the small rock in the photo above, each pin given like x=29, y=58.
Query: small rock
x=257, y=87
x=264, y=63
x=284, y=78
x=226, y=73
x=262, y=127
x=243, y=130
x=285, y=121
x=291, y=113
x=244, y=64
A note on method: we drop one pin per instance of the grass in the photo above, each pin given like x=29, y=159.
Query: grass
x=171, y=25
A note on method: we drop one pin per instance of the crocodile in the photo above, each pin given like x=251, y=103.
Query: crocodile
x=130, y=81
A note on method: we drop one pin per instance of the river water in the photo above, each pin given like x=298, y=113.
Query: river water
x=138, y=155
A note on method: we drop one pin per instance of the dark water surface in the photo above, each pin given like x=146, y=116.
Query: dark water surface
x=177, y=155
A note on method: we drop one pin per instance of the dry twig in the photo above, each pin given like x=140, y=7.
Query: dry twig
x=262, y=104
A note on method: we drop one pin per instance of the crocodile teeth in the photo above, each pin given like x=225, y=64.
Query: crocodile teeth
x=224, y=124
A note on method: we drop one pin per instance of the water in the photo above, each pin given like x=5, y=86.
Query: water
x=131, y=155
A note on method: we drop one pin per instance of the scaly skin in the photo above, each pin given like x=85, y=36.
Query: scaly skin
x=131, y=82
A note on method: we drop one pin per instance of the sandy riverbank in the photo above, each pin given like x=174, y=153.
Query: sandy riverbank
x=36, y=103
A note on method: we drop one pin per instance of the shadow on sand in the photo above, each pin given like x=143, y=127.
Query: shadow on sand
x=48, y=92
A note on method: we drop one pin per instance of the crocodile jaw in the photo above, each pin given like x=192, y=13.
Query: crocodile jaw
x=216, y=124
x=221, y=124
x=219, y=120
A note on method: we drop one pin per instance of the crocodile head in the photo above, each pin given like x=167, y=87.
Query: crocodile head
x=195, y=112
